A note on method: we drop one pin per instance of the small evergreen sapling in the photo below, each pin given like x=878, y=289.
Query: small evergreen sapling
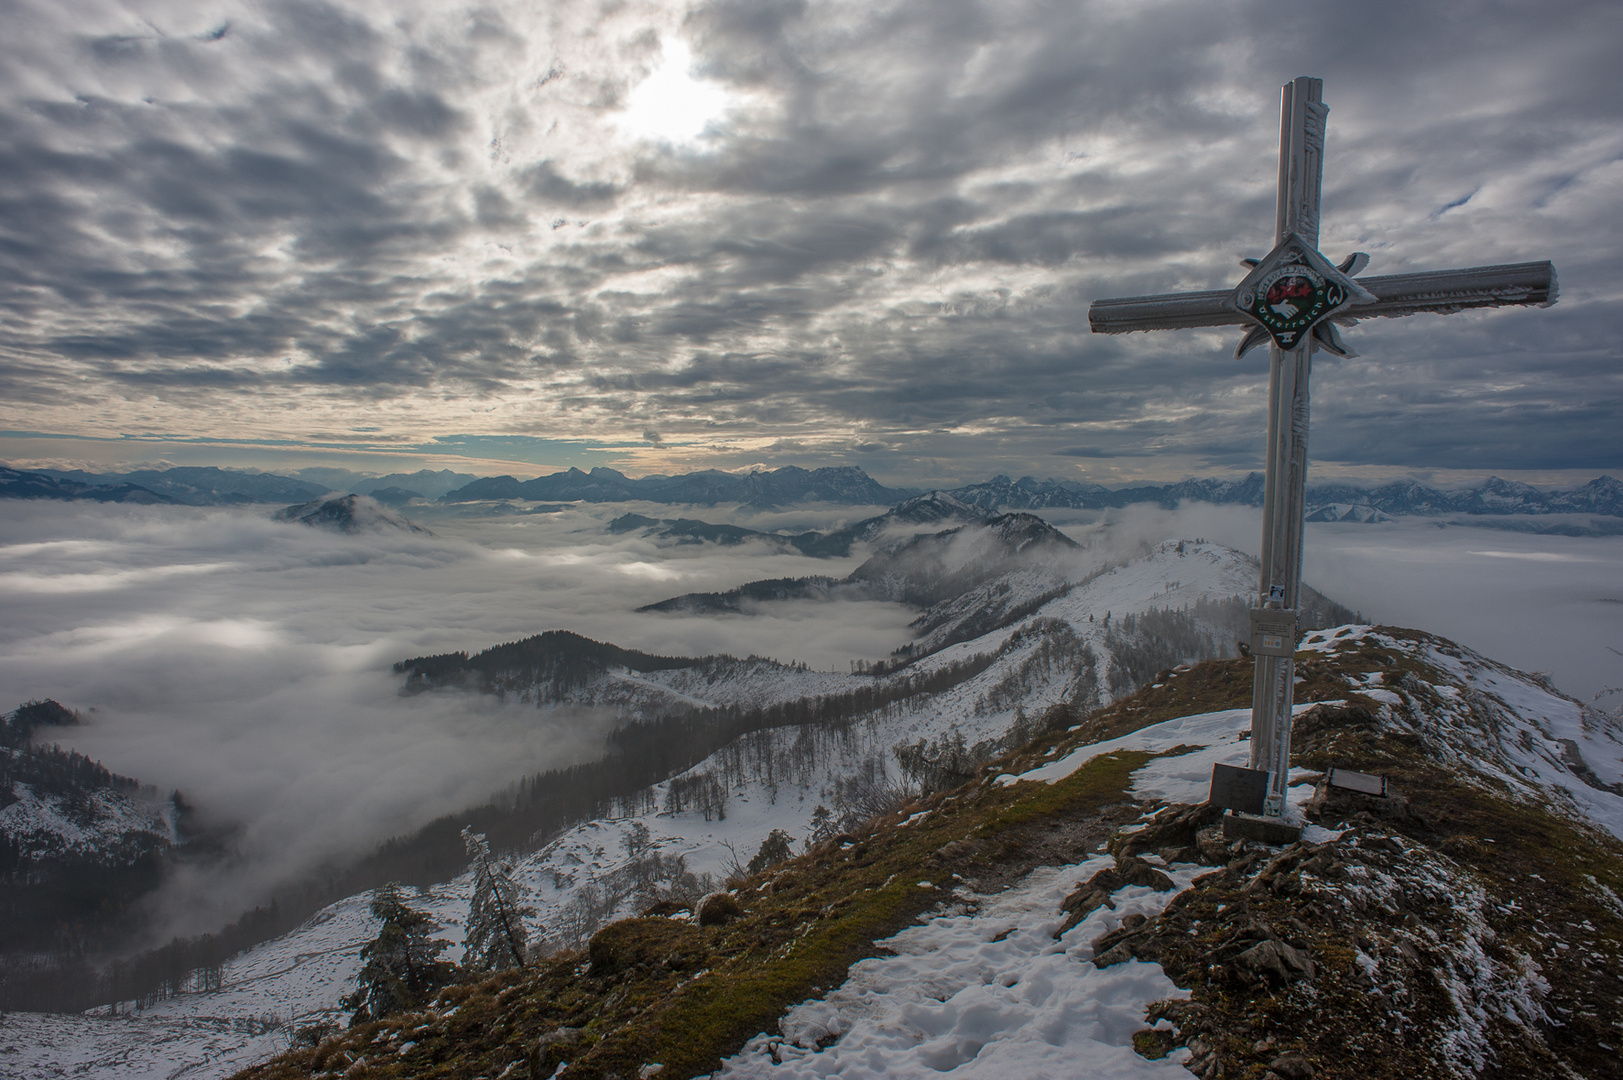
x=401, y=968
x=777, y=847
x=496, y=934
x=821, y=827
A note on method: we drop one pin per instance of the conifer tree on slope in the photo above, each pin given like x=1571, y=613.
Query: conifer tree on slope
x=496, y=934
x=401, y=968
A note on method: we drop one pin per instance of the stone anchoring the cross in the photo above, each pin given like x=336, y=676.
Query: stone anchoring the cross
x=1293, y=300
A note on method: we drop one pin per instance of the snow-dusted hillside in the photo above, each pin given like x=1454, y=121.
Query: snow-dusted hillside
x=349, y=514
x=79, y=844
x=774, y=779
x=1485, y=720
x=109, y=825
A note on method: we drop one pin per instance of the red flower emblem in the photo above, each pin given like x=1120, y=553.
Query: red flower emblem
x=1289, y=288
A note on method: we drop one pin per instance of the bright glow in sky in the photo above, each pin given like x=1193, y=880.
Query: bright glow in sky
x=671, y=105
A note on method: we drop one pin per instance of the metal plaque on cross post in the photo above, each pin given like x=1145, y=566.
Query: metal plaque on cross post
x=1292, y=300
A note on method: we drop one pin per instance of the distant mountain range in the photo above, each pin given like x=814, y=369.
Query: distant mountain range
x=209, y=485
x=1603, y=495
x=790, y=486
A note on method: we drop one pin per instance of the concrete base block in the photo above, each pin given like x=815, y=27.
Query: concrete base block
x=1265, y=830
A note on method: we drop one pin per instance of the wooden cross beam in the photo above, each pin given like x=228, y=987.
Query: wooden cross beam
x=1293, y=300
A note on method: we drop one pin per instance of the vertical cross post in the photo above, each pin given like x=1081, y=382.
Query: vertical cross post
x=1301, y=172
x=1293, y=299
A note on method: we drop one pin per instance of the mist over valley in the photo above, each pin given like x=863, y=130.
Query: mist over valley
x=318, y=679
x=247, y=661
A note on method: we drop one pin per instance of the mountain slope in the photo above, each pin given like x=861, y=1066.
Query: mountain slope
x=1469, y=928
x=975, y=563
x=811, y=737
x=79, y=845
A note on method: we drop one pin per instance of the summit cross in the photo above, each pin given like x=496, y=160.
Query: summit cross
x=1293, y=300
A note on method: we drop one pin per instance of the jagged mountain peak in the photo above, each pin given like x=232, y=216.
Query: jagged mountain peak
x=1021, y=530
x=934, y=506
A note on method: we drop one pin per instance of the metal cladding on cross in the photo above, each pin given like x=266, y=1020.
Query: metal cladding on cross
x=1292, y=300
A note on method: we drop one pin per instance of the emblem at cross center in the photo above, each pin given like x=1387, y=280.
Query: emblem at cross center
x=1292, y=300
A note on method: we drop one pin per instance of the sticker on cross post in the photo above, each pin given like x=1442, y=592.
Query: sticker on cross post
x=1273, y=631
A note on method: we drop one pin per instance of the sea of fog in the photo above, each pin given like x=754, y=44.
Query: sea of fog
x=247, y=662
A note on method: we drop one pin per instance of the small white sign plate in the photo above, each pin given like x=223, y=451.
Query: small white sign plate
x=1273, y=631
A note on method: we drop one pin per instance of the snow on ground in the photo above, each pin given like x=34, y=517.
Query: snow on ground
x=1217, y=737
x=750, y=683
x=265, y=994
x=38, y=1046
x=111, y=822
x=1175, y=573
x=984, y=990
x=1503, y=722
x=300, y=976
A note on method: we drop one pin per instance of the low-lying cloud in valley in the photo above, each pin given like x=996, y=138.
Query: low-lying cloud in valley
x=1547, y=603
x=247, y=661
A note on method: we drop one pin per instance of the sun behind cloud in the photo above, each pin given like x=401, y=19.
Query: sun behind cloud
x=671, y=105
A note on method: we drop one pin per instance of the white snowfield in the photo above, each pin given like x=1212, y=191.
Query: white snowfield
x=113, y=824
x=952, y=1000
x=983, y=990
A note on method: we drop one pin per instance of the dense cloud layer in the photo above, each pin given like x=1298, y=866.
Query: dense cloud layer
x=1545, y=603
x=246, y=661
x=379, y=223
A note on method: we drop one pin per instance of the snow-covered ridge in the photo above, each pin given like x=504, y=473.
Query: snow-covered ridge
x=109, y=826
x=1504, y=724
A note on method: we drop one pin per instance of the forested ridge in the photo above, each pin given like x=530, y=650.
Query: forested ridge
x=638, y=755
x=76, y=857
x=559, y=660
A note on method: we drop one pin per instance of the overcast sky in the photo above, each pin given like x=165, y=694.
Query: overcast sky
x=518, y=235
